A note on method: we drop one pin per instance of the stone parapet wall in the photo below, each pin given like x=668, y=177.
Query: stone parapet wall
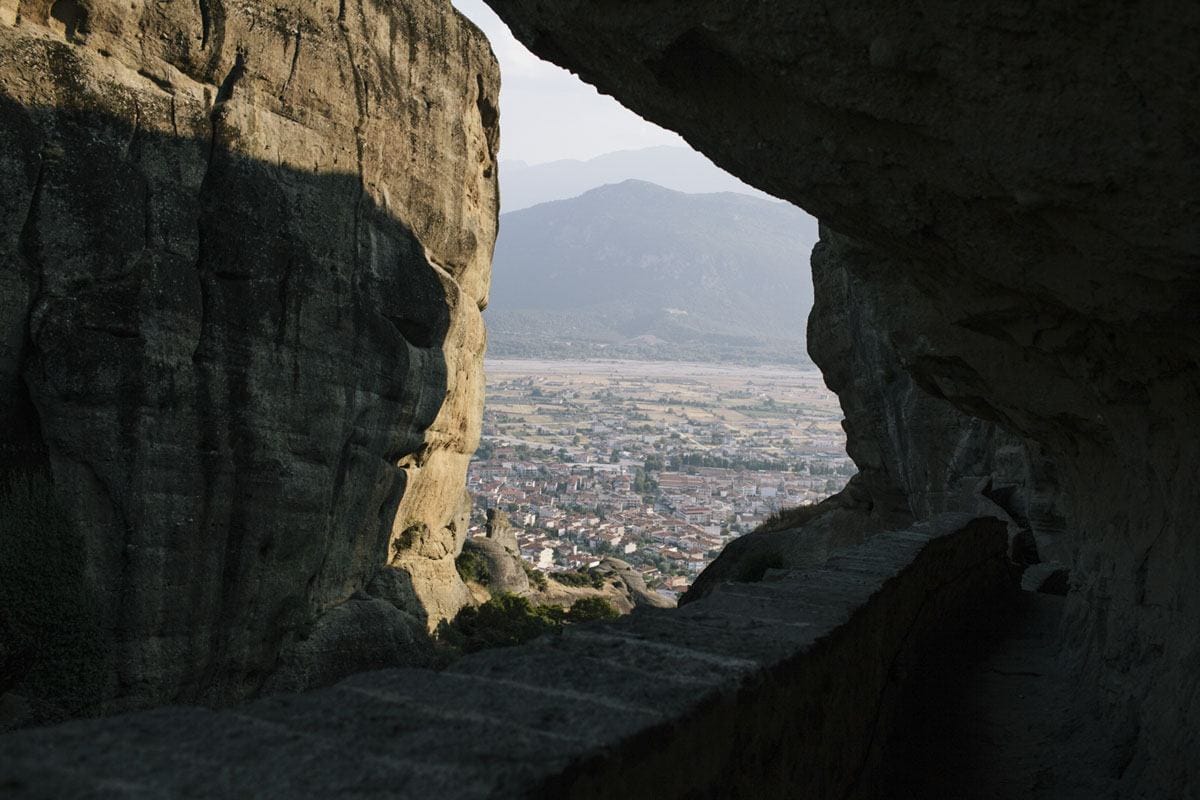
x=786, y=687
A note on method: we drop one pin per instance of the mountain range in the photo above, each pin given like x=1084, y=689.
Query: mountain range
x=523, y=185
x=636, y=270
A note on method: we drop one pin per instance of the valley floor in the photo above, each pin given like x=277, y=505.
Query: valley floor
x=657, y=463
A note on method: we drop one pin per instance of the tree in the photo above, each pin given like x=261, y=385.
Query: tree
x=485, y=451
x=587, y=609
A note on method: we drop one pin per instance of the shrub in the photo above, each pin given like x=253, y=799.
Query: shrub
x=588, y=578
x=509, y=619
x=472, y=566
x=792, y=517
x=587, y=609
x=536, y=577
x=503, y=621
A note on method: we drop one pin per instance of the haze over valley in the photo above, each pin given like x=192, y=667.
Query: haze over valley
x=680, y=168
x=635, y=270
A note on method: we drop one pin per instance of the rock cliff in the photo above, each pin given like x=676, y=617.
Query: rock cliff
x=243, y=252
x=917, y=454
x=1009, y=196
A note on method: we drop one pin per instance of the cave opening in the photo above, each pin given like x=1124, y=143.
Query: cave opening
x=649, y=399
x=1001, y=279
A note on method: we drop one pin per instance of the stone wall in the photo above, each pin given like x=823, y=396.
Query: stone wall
x=783, y=688
x=243, y=253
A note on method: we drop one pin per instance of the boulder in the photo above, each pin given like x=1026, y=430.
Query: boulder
x=639, y=596
x=505, y=569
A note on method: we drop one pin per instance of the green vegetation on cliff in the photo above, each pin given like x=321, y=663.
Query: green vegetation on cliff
x=472, y=566
x=581, y=579
x=509, y=619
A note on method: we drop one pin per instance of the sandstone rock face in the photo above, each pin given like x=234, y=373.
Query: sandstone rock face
x=243, y=252
x=1010, y=191
x=917, y=454
x=499, y=529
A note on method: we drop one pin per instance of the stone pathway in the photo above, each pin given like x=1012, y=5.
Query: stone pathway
x=760, y=690
x=991, y=719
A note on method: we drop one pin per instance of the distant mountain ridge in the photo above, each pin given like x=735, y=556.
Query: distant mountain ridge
x=634, y=270
x=524, y=185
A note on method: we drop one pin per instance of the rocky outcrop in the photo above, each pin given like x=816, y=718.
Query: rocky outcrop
x=1010, y=191
x=497, y=556
x=617, y=581
x=802, y=538
x=500, y=555
x=499, y=529
x=243, y=250
x=625, y=576
x=504, y=570
x=917, y=454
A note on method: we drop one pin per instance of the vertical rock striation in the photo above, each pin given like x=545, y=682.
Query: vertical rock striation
x=917, y=454
x=1009, y=192
x=243, y=252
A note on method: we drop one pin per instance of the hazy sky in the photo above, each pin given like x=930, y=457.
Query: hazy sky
x=546, y=113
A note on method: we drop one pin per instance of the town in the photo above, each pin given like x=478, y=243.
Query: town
x=658, y=464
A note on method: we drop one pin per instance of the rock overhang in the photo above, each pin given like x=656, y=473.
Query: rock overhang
x=1009, y=221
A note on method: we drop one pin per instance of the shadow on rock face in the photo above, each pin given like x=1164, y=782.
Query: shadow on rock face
x=216, y=362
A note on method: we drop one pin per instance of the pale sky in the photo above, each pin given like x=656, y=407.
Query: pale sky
x=547, y=114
